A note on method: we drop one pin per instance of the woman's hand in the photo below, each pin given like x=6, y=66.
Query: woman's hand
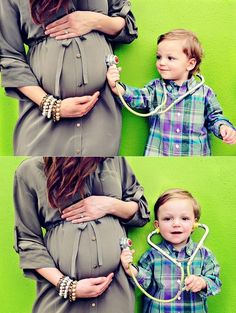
x=72, y=25
x=93, y=287
x=78, y=106
x=80, y=23
x=89, y=209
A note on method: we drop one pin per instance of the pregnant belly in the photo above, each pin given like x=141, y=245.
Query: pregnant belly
x=69, y=68
x=88, y=249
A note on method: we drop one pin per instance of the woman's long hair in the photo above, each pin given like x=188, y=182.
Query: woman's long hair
x=40, y=10
x=67, y=176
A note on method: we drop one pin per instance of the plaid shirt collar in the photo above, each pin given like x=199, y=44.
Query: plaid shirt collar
x=175, y=90
x=187, y=250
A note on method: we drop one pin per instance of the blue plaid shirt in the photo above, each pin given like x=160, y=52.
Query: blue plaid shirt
x=160, y=277
x=184, y=130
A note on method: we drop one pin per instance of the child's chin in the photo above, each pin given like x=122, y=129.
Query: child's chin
x=167, y=77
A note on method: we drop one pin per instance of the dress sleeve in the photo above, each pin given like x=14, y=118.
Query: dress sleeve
x=214, y=115
x=15, y=70
x=133, y=191
x=29, y=242
x=122, y=8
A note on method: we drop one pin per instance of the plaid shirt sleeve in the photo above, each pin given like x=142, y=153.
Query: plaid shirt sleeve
x=210, y=274
x=145, y=270
x=214, y=114
x=147, y=97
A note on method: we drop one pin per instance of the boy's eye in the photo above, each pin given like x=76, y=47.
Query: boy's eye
x=185, y=218
x=158, y=57
x=166, y=219
x=171, y=58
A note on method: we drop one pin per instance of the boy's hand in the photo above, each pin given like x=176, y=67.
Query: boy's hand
x=113, y=75
x=228, y=134
x=126, y=258
x=195, y=283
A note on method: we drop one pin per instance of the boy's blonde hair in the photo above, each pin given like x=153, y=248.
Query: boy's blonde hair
x=177, y=194
x=192, y=47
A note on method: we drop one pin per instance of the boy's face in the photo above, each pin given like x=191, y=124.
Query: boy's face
x=172, y=63
x=175, y=221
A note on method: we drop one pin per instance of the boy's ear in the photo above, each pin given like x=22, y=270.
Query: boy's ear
x=156, y=224
x=191, y=64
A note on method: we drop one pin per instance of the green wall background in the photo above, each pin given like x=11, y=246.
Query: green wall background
x=211, y=181
x=214, y=22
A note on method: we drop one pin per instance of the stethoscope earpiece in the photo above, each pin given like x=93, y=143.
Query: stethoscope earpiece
x=158, y=230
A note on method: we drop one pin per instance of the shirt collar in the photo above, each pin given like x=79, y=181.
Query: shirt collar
x=188, y=249
x=188, y=84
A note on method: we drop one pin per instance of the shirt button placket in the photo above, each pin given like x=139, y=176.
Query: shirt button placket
x=78, y=136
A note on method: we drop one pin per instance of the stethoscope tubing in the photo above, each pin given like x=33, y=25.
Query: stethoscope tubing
x=158, y=110
x=181, y=283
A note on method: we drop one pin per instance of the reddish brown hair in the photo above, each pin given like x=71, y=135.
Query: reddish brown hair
x=177, y=194
x=40, y=10
x=191, y=47
x=67, y=176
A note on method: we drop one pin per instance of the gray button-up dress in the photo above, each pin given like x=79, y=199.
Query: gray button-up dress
x=79, y=250
x=65, y=68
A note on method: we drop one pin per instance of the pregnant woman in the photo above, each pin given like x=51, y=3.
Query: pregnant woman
x=85, y=205
x=66, y=106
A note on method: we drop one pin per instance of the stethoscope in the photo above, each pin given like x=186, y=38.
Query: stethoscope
x=114, y=60
x=127, y=243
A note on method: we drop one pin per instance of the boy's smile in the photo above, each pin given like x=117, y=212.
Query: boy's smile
x=175, y=221
x=172, y=63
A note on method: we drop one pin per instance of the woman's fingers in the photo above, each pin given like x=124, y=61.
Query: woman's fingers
x=78, y=106
x=60, y=21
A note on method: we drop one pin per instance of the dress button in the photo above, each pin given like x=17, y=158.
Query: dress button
x=77, y=151
x=78, y=125
x=177, y=130
x=177, y=146
x=93, y=304
x=93, y=238
x=78, y=55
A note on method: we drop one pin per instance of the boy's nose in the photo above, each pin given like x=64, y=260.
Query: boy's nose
x=176, y=223
x=162, y=61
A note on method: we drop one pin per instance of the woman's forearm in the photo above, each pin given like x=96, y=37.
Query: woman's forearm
x=34, y=93
x=51, y=274
x=108, y=25
x=123, y=209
